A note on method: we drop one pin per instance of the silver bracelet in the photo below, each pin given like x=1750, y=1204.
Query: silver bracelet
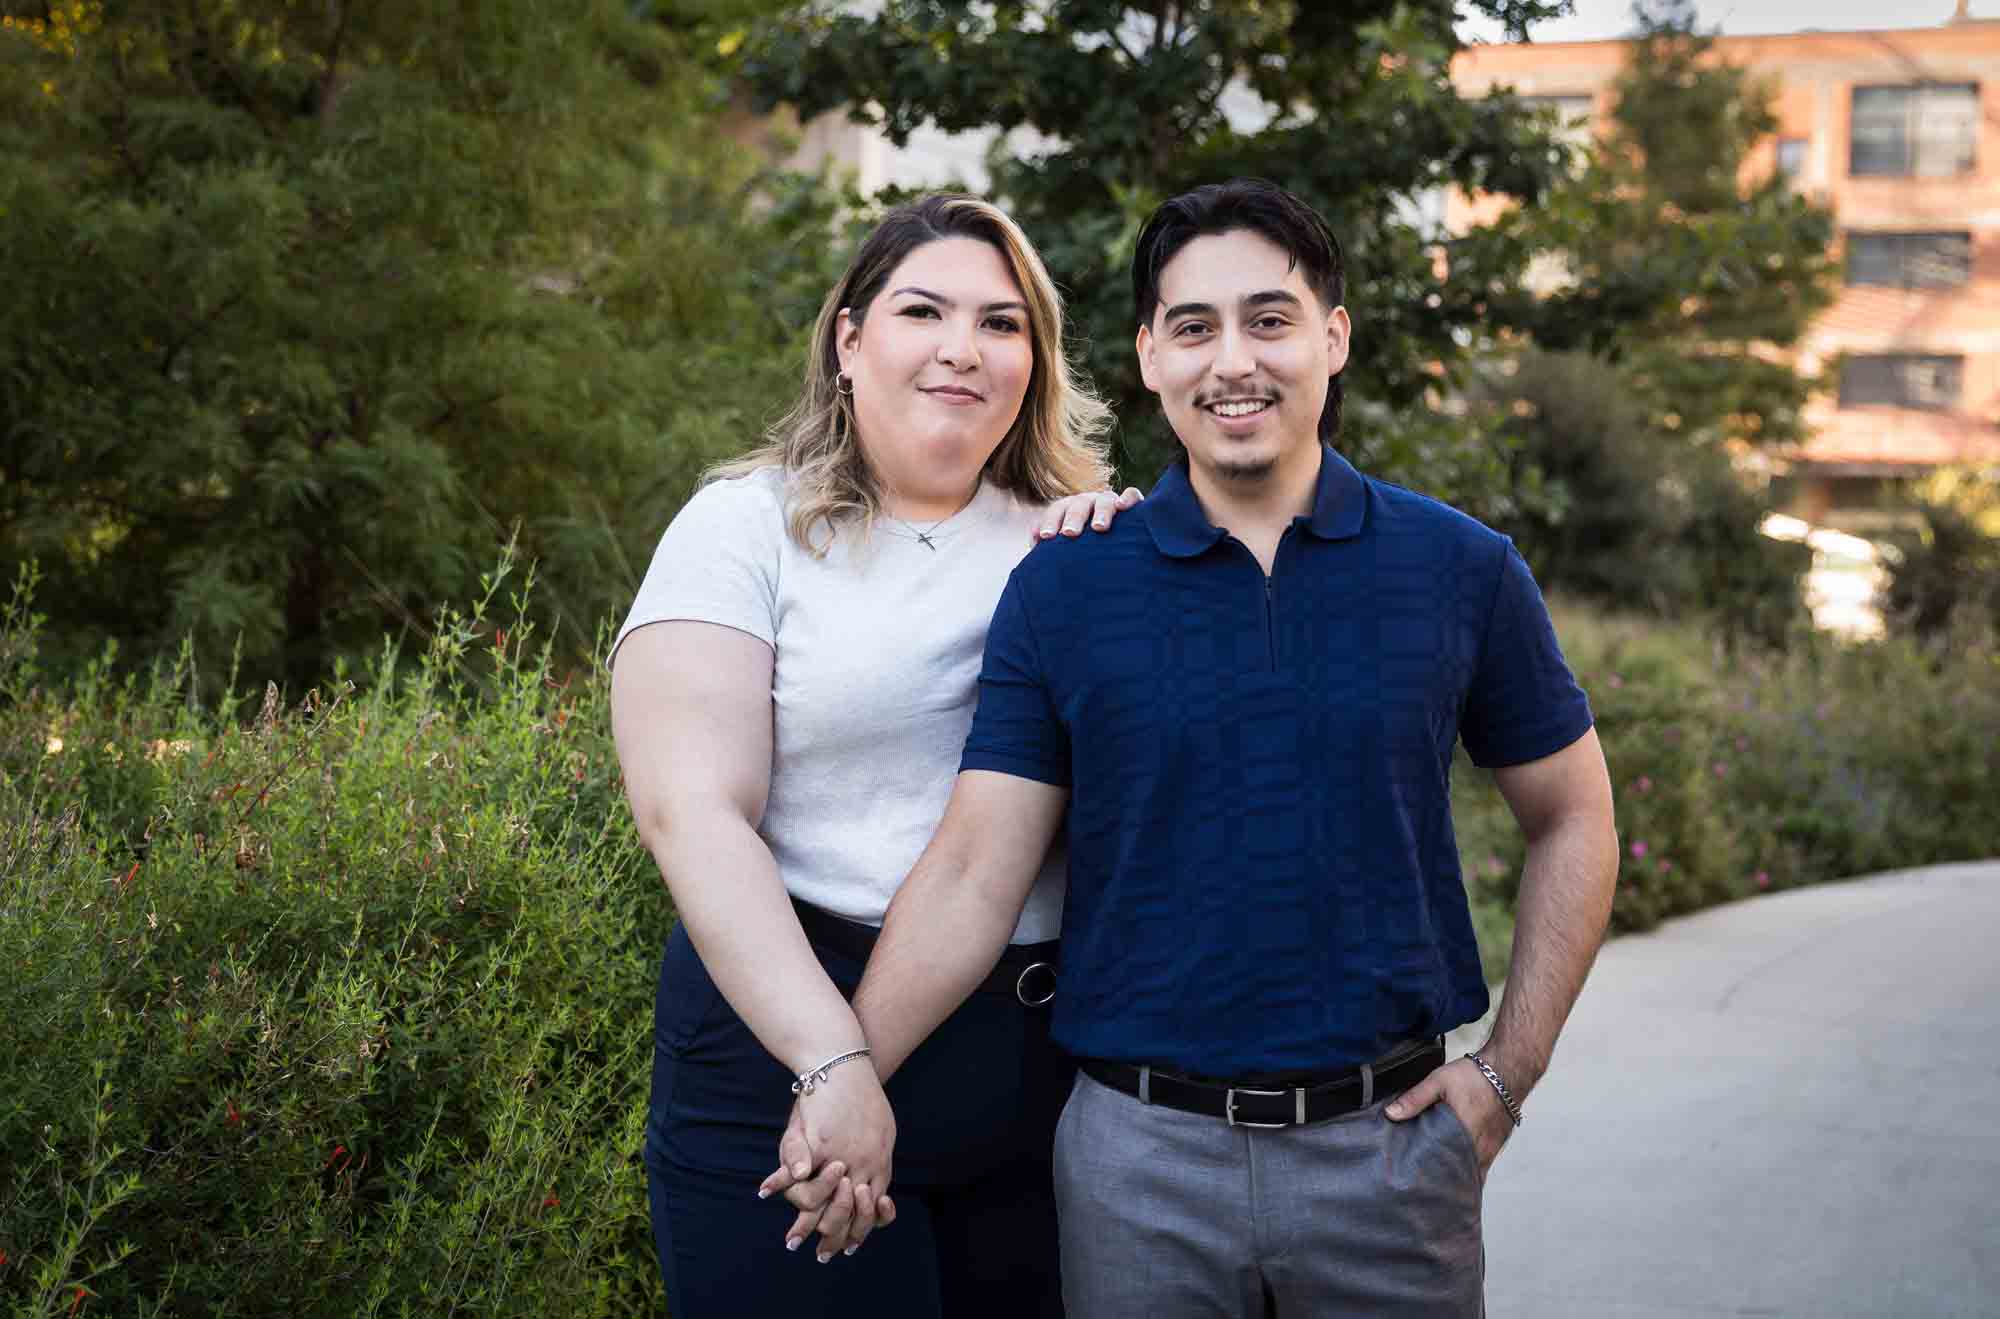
x=1499, y=1087
x=812, y=1076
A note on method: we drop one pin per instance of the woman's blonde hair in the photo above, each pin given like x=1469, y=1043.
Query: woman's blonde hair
x=1055, y=446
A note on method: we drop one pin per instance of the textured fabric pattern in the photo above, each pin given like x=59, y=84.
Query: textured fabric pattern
x=1167, y=1213
x=877, y=662
x=1263, y=874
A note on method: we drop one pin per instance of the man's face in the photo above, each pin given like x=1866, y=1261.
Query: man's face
x=1240, y=351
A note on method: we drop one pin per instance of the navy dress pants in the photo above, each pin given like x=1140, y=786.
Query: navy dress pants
x=976, y=1109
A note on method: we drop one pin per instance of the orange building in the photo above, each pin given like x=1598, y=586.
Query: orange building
x=1898, y=133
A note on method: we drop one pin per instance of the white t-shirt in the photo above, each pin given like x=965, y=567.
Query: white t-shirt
x=878, y=647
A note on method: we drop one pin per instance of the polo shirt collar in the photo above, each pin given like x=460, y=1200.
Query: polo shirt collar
x=1182, y=530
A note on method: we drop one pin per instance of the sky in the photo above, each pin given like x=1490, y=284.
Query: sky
x=1597, y=19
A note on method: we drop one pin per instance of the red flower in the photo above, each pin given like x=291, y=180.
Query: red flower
x=78, y=1301
x=233, y=1118
x=550, y=1202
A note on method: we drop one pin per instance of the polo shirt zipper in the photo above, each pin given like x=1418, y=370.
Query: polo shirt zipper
x=1270, y=620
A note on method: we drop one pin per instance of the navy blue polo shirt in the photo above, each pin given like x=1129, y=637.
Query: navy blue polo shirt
x=1262, y=872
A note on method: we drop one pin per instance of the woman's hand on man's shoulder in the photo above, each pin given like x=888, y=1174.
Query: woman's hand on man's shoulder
x=1093, y=508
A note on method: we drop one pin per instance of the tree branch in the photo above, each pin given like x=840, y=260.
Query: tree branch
x=329, y=83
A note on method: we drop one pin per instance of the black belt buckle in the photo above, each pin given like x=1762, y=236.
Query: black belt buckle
x=1029, y=993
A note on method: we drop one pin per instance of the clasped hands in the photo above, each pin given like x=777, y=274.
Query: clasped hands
x=834, y=1162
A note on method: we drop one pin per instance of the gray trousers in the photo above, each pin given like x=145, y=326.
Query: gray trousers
x=1167, y=1214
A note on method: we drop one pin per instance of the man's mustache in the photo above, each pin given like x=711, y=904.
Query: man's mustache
x=1222, y=395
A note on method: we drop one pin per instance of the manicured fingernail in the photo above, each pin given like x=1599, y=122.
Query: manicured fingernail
x=1396, y=1110
x=763, y=1193
x=825, y=1255
x=801, y=1169
x=851, y=1249
x=1100, y=524
x=1044, y=534
x=793, y=1243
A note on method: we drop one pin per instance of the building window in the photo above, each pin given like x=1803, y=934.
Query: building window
x=1792, y=159
x=1572, y=113
x=1926, y=130
x=1903, y=380
x=1910, y=261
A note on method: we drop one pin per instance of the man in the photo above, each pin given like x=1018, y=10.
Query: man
x=1246, y=695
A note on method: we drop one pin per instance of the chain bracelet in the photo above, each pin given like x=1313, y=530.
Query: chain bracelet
x=1499, y=1087
x=810, y=1078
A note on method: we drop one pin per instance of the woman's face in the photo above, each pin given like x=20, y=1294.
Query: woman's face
x=940, y=362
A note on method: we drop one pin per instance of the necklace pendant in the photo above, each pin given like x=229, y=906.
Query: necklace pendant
x=924, y=539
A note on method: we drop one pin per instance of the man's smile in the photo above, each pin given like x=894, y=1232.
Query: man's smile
x=1237, y=407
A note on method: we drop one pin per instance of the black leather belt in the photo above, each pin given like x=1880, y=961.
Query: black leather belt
x=1027, y=971
x=1274, y=1106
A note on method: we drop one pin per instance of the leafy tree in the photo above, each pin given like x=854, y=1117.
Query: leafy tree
x=1639, y=519
x=1686, y=268
x=1946, y=569
x=1120, y=105
x=310, y=306
x=1663, y=353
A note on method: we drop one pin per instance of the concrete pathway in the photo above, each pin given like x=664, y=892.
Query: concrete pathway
x=1789, y=1106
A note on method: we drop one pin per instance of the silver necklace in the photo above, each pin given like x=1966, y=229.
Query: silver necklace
x=926, y=536
x=921, y=536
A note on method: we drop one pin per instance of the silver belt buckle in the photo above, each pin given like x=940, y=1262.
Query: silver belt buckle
x=1229, y=1107
x=1021, y=984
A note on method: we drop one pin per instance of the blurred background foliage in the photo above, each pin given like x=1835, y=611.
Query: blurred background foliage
x=313, y=305
x=318, y=303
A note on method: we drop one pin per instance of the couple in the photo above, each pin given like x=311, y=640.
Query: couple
x=1226, y=717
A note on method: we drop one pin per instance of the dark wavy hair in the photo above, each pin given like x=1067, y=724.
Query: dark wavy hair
x=1263, y=208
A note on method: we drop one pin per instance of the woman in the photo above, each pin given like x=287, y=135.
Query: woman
x=790, y=695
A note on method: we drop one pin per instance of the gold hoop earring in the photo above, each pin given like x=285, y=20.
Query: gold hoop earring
x=843, y=384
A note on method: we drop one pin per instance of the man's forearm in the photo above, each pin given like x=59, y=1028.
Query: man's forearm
x=944, y=931
x=1559, y=922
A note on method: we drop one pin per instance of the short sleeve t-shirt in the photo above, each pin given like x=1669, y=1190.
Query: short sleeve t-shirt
x=877, y=651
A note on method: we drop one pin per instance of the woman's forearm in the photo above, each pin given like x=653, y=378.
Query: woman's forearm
x=726, y=888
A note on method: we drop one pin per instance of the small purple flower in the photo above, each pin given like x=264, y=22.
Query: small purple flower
x=1639, y=848
x=1762, y=879
x=1721, y=768
x=1615, y=681
x=1642, y=785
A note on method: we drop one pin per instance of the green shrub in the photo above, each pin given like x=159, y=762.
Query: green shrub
x=337, y=1010
x=1638, y=517
x=1737, y=772
x=1947, y=564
